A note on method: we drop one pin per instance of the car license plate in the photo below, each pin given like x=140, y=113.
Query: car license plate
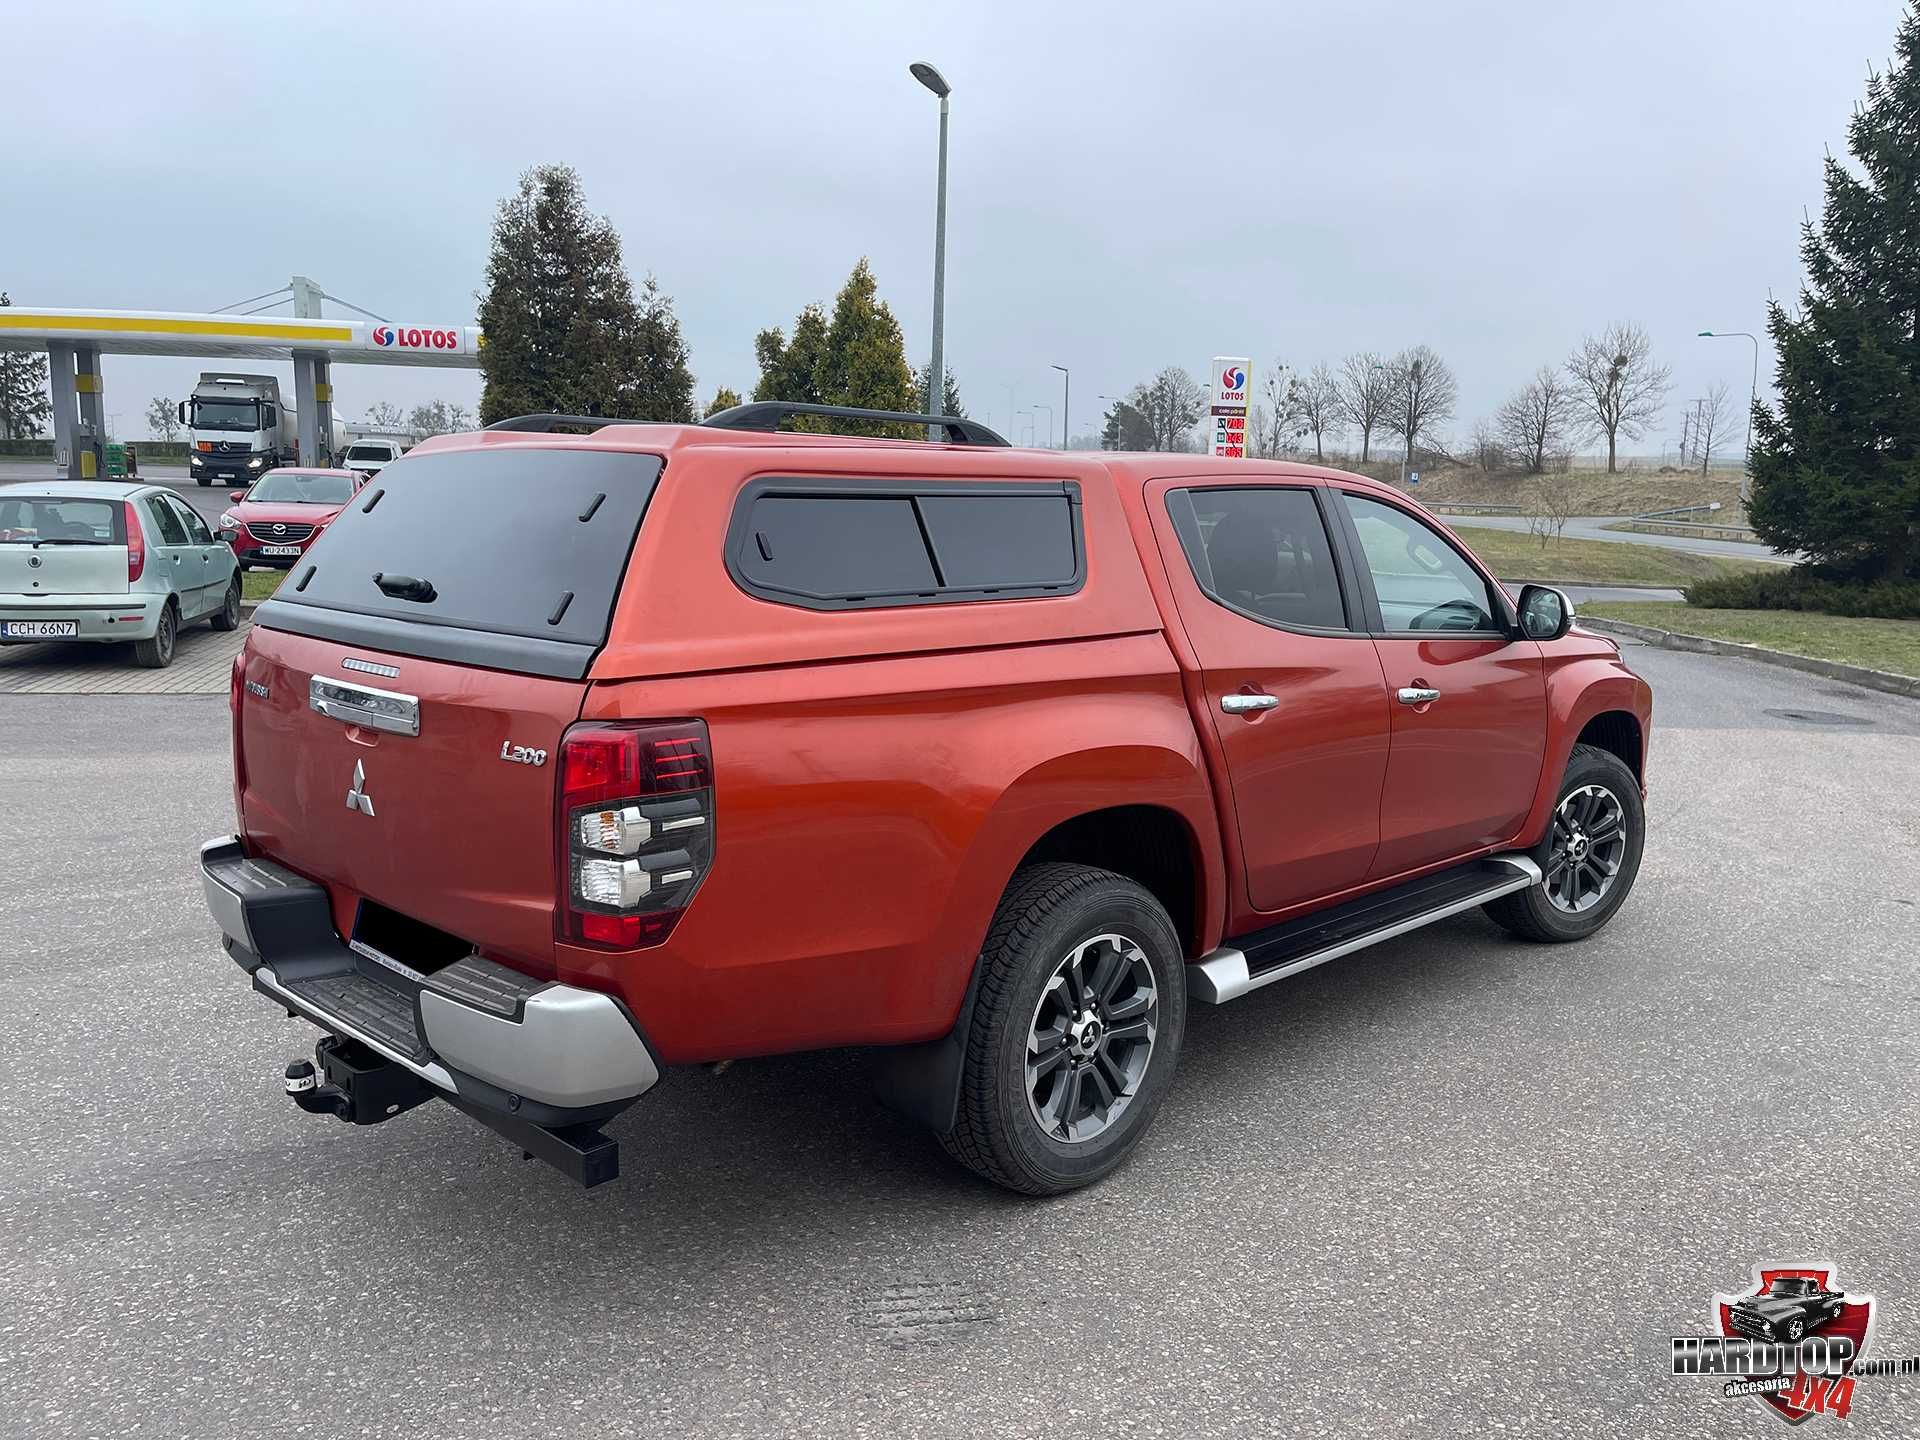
x=40, y=629
x=279, y=549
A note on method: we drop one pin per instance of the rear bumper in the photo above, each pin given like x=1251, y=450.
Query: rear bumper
x=100, y=617
x=484, y=1035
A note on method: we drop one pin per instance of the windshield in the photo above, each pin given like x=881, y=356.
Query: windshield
x=303, y=489
x=52, y=521
x=225, y=414
x=369, y=452
x=1790, y=1285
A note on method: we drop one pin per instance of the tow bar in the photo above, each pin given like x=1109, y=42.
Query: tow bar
x=352, y=1083
x=360, y=1087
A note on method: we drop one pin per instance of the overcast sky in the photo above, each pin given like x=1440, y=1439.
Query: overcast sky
x=1132, y=185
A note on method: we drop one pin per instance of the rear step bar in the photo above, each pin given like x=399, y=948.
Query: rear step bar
x=1264, y=956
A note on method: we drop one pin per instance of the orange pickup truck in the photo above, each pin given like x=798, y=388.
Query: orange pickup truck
x=564, y=758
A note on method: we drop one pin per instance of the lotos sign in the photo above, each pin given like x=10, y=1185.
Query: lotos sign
x=413, y=337
x=1232, y=379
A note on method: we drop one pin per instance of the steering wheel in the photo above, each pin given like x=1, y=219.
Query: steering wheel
x=1450, y=615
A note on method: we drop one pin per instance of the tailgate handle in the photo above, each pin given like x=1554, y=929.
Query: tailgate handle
x=353, y=704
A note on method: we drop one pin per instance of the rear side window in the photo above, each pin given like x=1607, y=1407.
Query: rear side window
x=508, y=558
x=172, y=532
x=1262, y=550
x=859, y=544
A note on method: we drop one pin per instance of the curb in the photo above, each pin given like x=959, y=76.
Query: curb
x=1883, y=680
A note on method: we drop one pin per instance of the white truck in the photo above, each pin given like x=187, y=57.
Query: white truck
x=238, y=428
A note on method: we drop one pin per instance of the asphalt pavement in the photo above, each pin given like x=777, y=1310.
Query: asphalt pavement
x=1455, y=1184
x=1597, y=527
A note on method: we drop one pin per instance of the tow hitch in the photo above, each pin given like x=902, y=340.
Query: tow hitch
x=352, y=1083
x=359, y=1087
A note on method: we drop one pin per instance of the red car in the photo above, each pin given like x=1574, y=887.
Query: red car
x=272, y=524
x=572, y=758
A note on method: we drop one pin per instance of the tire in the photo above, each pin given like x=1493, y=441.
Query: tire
x=157, y=653
x=1541, y=912
x=1796, y=1330
x=1060, y=931
x=205, y=479
x=227, y=617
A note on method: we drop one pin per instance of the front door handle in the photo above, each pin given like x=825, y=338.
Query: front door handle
x=1417, y=695
x=1241, y=704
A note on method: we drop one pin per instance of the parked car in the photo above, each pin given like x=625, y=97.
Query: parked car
x=370, y=456
x=1790, y=1307
x=673, y=744
x=111, y=562
x=273, y=524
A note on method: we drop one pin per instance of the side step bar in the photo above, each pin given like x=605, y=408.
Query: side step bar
x=1251, y=961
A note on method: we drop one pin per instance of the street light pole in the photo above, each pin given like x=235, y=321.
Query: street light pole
x=1066, y=403
x=1049, y=410
x=936, y=372
x=1753, y=398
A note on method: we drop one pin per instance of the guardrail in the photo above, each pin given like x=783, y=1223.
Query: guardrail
x=1455, y=507
x=1707, y=508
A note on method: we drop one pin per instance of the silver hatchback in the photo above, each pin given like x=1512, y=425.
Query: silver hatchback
x=110, y=562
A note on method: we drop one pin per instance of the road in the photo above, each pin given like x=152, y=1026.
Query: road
x=1456, y=1184
x=1594, y=527
x=209, y=500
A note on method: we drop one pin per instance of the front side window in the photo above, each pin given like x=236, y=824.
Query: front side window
x=196, y=527
x=1420, y=580
x=1261, y=550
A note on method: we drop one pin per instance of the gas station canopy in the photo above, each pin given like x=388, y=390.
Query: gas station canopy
x=237, y=337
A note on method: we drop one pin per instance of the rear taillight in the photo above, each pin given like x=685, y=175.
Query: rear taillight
x=636, y=829
x=136, y=544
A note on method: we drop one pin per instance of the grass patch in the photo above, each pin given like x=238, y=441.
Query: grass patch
x=1877, y=644
x=259, y=584
x=1516, y=556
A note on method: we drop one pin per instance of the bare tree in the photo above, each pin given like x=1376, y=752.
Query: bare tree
x=163, y=418
x=1275, y=425
x=1485, y=447
x=385, y=415
x=1421, y=394
x=1555, y=498
x=1712, y=420
x=1364, y=396
x=1322, y=410
x=1618, y=390
x=1170, y=403
x=1535, y=420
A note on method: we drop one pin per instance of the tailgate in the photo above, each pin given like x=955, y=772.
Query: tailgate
x=439, y=827
x=408, y=687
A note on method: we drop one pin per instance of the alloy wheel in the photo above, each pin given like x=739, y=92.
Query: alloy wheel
x=1091, y=1038
x=1588, y=845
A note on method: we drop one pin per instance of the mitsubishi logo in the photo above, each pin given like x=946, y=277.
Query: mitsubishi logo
x=357, y=796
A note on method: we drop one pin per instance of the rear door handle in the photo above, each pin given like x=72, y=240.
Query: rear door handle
x=1241, y=704
x=1417, y=695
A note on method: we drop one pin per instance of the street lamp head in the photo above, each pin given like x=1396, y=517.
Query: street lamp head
x=1707, y=333
x=931, y=78
x=1061, y=368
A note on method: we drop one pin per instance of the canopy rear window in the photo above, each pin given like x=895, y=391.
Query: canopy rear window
x=511, y=558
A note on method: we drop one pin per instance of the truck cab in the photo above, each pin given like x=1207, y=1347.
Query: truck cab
x=238, y=428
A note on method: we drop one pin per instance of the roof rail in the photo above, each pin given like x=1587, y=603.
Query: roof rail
x=546, y=423
x=767, y=415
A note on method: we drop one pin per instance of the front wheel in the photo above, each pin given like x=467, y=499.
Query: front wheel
x=1075, y=1031
x=204, y=479
x=1593, y=853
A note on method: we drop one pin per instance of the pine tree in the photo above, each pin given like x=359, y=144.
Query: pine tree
x=663, y=383
x=26, y=404
x=1836, y=469
x=863, y=360
x=563, y=330
x=786, y=367
x=951, y=389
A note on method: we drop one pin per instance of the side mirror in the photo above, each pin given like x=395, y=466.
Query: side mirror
x=1545, y=613
x=182, y=408
x=236, y=496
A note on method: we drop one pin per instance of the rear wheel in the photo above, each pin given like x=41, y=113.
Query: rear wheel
x=1075, y=1031
x=157, y=653
x=1593, y=853
x=227, y=617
